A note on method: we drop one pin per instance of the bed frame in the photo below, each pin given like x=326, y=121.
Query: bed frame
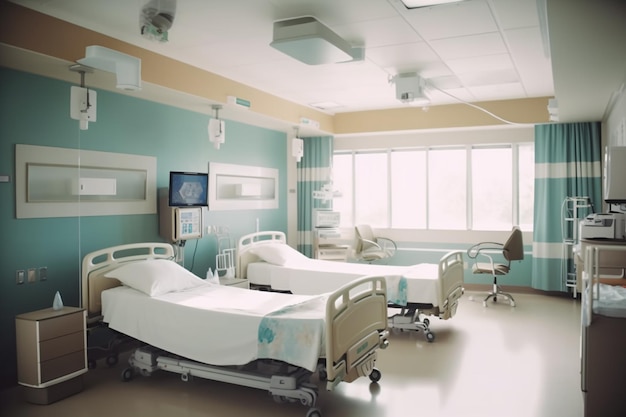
x=356, y=321
x=245, y=257
x=411, y=316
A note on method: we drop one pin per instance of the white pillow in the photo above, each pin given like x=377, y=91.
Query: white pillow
x=155, y=276
x=277, y=253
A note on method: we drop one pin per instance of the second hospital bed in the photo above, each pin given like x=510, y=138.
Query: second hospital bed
x=418, y=290
x=262, y=340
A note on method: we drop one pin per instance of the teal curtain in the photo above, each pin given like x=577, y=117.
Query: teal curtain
x=314, y=170
x=567, y=164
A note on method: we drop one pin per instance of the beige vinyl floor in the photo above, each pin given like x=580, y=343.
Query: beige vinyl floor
x=498, y=361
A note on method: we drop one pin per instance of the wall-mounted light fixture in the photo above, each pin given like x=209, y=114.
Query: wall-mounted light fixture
x=297, y=146
x=217, y=131
x=82, y=100
x=127, y=68
x=553, y=109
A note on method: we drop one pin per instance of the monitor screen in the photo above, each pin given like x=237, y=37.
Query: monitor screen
x=188, y=189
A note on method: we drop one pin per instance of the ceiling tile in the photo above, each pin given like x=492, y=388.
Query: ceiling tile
x=469, y=46
x=480, y=64
x=451, y=46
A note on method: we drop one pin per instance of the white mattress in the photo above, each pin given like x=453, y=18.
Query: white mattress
x=314, y=276
x=221, y=325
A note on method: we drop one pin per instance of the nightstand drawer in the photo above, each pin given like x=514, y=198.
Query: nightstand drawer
x=62, y=325
x=61, y=366
x=60, y=346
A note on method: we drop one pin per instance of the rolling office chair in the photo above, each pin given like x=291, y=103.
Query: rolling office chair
x=512, y=250
x=370, y=248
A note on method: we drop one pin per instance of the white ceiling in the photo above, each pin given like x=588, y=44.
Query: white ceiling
x=477, y=50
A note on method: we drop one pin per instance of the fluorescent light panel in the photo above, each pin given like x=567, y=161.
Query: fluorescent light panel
x=414, y=4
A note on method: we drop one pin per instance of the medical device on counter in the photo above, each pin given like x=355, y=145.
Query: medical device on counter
x=603, y=226
x=326, y=218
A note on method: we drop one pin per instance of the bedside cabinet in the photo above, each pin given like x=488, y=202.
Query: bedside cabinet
x=235, y=282
x=51, y=353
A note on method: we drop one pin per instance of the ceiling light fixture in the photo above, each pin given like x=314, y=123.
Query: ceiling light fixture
x=410, y=89
x=311, y=42
x=156, y=19
x=416, y=4
x=127, y=68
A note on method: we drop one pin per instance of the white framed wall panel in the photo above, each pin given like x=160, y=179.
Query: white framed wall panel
x=61, y=182
x=242, y=187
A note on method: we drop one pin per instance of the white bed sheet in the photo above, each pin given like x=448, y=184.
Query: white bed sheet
x=611, y=301
x=314, y=276
x=221, y=325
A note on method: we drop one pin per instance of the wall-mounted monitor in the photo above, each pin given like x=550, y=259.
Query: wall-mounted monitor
x=188, y=189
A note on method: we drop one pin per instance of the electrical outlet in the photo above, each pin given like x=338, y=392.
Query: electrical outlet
x=43, y=273
x=32, y=275
x=19, y=276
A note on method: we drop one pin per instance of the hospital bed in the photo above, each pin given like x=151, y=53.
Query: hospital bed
x=418, y=291
x=263, y=340
x=603, y=328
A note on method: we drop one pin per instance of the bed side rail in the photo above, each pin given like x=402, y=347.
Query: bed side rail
x=595, y=257
x=356, y=327
x=260, y=237
x=451, y=274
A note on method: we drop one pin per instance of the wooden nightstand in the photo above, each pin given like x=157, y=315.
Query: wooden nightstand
x=235, y=282
x=51, y=353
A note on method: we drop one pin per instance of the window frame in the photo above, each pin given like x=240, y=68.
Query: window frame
x=515, y=172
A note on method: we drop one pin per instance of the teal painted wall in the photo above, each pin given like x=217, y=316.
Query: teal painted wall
x=35, y=110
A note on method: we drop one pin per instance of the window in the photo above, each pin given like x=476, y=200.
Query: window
x=370, y=189
x=492, y=188
x=408, y=189
x=447, y=189
x=479, y=187
x=342, y=181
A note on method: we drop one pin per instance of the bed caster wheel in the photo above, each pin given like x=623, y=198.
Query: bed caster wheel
x=375, y=375
x=314, y=412
x=430, y=337
x=112, y=360
x=92, y=364
x=127, y=374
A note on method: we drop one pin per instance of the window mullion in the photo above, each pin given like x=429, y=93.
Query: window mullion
x=515, y=186
x=427, y=150
x=469, y=186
